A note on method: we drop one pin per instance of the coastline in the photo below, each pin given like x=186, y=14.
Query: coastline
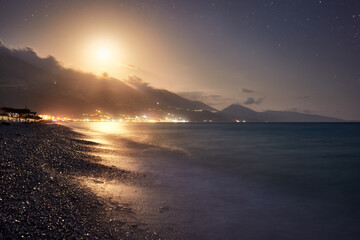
x=40, y=193
x=110, y=184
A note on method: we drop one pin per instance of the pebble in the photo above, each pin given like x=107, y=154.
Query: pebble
x=40, y=195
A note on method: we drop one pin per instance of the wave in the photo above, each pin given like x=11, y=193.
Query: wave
x=146, y=145
x=138, y=143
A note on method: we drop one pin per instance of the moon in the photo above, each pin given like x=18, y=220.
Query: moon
x=103, y=53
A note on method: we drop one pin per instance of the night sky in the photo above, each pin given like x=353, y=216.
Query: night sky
x=282, y=55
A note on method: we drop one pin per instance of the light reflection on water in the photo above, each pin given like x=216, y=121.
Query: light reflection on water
x=270, y=181
x=105, y=127
x=147, y=205
x=99, y=131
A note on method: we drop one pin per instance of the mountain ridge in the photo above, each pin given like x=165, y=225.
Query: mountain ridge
x=242, y=113
x=44, y=85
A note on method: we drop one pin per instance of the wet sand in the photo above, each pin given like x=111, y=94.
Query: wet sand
x=41, y=195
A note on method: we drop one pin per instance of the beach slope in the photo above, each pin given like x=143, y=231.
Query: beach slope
x=40, y=195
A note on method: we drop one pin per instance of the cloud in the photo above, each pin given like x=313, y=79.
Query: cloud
x=252, y=100
x=292, y=109
x=208, y=98
x=138, y=83
x=211, y=99
x=307, y=111
x=138, y=69
x=29, y=55
x=245, y=90
x=126, y=65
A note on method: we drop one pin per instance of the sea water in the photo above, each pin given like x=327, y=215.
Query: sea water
x=239, y=181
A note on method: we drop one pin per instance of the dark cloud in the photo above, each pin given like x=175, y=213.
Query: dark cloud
x=249, y=101
x=252, y=100
x=215, y=97
x=138, y=83
x=211, y=99
x=30, y=55
x=245, y=90
x=306, y=111
x=292, y=110
x=194, y=95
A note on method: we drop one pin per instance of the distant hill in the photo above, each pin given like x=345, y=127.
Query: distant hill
x=43, y=85
x=242, y=113
x=62, y=91
x=239, y=112
x=166, y=98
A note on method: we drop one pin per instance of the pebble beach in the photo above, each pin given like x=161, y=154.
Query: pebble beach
x=41, y=196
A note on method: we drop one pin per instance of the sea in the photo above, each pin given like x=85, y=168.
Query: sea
x=236, y=180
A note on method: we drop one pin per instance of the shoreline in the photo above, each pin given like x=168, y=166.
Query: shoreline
x=60, y=183
x=40, y=192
